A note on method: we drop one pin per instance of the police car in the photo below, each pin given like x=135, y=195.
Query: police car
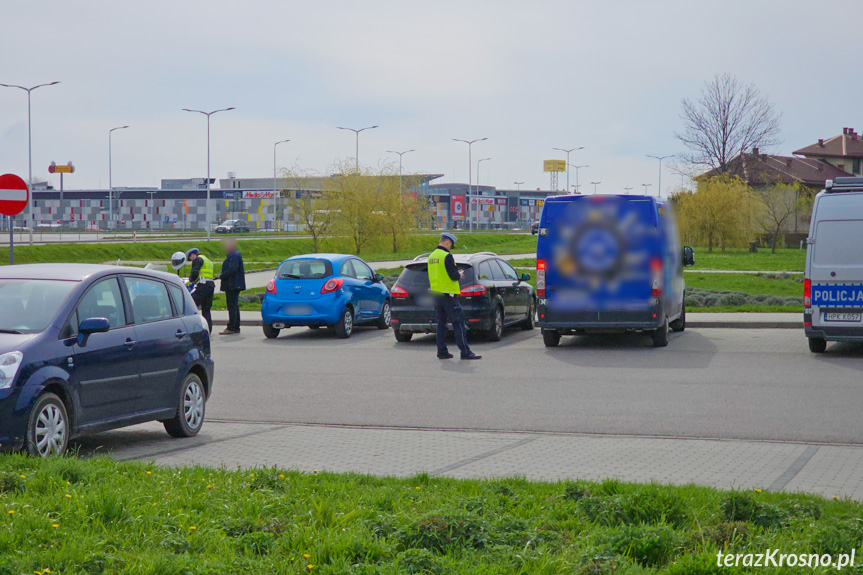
x=833, y=280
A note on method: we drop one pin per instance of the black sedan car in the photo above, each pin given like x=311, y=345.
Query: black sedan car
x=87, y=348
x=232, y=227
x=493, y=297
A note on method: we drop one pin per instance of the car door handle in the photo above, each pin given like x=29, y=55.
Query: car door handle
x=180, y=334
x=129, y=343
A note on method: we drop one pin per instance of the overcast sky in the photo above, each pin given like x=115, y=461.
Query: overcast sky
x=528, y=75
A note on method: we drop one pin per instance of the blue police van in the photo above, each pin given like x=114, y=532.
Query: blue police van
x=609, y=263
x=833, y=278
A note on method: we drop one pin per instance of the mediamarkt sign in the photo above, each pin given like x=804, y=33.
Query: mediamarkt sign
x=260, y=195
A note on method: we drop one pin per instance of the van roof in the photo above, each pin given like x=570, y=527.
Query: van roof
x=844, y=185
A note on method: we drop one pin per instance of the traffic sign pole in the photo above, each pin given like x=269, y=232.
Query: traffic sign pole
x=14, y=196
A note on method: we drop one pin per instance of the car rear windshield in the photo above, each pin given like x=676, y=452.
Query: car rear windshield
x=30, y=305
x=305, y=269
x=415, y=277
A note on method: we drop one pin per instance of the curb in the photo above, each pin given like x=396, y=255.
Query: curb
x=690, y=324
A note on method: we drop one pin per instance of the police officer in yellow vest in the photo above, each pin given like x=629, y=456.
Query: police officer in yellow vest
x=443, y=282
x=201, y=277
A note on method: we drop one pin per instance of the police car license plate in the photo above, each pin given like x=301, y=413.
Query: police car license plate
x=841, y=316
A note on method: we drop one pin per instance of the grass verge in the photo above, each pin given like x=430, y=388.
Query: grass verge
x=75, y=516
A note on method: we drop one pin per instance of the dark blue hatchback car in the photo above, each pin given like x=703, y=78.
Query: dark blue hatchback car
x=87, y=348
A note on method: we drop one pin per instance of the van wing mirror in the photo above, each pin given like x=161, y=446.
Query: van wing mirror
x=688, y=256
x=90, y=326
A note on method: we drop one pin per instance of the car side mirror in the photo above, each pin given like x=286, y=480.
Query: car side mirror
x=90, y=326
x=525, y=277
x=379, y=278
x=688, y=256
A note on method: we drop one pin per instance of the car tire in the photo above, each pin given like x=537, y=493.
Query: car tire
x=48, y=424
x=660, y=335
x=345, y=326
x=679, y=324
x=530, y=322
x=191, y=408
x=817, y=344
x=386, y=316
x=402, y=336
x=496, y=331
x=550, y=337
x=269, y=331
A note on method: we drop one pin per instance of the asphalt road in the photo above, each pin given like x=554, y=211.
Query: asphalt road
x=719, y=383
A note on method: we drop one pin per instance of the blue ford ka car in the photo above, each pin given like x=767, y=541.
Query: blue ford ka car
x=325, y=290
x=87, y=348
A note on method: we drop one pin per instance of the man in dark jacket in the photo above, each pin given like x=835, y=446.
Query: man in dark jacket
x=233, y=281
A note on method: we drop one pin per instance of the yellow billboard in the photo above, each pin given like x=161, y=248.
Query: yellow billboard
x=554, y=165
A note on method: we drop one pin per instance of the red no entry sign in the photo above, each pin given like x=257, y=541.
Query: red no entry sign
x=14, y=195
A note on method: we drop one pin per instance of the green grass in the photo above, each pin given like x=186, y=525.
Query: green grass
x=272, y=250
x=74, y=516
x=787, y=260
x=747, y=283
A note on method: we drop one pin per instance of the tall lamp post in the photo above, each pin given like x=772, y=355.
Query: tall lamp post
x=594, y=186
x=577, y=185
x=29, y=139
x=518, y=186
x=478, y=207
x=645, y=188
x=400, y=164
x=567, y=161
x=357, y=132
x=275, y=191
x=628, y=189
x=111, y=177
x=470, y=144
x=660, y=158
x=208, y=114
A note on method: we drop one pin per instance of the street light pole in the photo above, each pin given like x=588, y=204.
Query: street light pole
x=660, y=158
x=594, y=186
x=29, y=141
x=577, y=185
x=628, y=189
x=208, y=114
x=645, y=188
x=470, y=144
x=357, y=132
x=518, y=186
x=400, y=164
x=111, y=177
x=275, y=191
x=567, y=161
x=478, y=207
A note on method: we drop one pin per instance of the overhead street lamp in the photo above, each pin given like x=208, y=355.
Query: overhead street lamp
x=567, y=160
x=645, y=188
x=208, y=114
x=400, y=164
x=628, y=189
x=29, y=138
x=469, y=143
x=274, y=162
x=111, y=177
x=594, y=186
x=577, y=185
x=357, y=132
x=660, y=158
x=518, y=185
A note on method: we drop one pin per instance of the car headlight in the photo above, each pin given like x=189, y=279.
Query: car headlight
x=9, y=364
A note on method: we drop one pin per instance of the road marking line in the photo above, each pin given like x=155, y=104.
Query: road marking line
x=793, y=469
x=481, y=456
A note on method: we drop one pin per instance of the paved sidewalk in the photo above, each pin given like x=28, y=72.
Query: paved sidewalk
x=828, y=470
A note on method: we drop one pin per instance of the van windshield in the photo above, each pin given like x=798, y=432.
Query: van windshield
x=30, y=305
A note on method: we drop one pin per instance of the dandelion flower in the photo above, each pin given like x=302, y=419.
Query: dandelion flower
x=23, y=477
x=55, y=525
x=306, y=555
x=281, y=476
x=11, y=512
x=68, y=496
x=835, y=497
x=757, y=491
x=192, y=528
x=315, y=470
x=417, y=487
x=149, y=473
x=310, y=566
x=209, y=486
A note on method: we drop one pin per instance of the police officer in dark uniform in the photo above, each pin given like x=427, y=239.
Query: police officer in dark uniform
x=443, y=282
x=201, y=277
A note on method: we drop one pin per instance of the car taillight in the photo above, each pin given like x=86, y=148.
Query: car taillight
x=540, y=278
x=332, y=285
x=656, y=277
x=473, y=290
x=271, y=286
x=807, y=292
x=398, y=292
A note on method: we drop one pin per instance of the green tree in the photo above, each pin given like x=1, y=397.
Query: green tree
x=781, y=202
x=357, y=196
x=401, y=211
x=721, y=212
x=315, y=211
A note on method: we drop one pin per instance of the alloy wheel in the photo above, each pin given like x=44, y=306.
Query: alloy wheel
x=193, y=405
x=349, y=322
x=50, y=431
x=388, y=313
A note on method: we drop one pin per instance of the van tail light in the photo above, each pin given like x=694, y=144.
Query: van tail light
x=656, y=277
x=271, y=286
x=398, y=292
x=540, y=278
x=473, y=290
x=332, y=285
x=807, y=292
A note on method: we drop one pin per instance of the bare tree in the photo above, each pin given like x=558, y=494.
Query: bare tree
x=728, y=118
x=780, y=207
